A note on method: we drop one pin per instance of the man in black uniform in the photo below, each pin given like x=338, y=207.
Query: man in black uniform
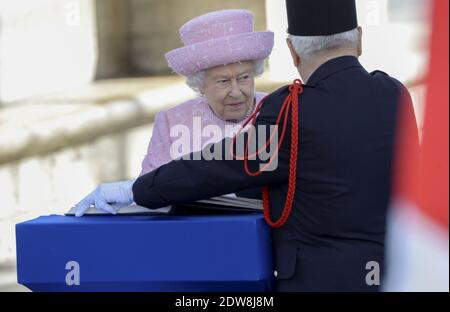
x=333, y=238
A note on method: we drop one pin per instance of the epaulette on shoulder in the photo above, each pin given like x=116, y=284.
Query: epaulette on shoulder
x=390, y=78
x=378, y=72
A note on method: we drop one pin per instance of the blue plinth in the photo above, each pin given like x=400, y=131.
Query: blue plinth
x=145, y=253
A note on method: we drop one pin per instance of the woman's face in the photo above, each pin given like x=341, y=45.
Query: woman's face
x=230, y=90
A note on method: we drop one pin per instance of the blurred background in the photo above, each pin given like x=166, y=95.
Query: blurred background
x=81, y=80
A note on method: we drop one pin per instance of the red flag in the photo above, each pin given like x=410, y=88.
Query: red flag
x=418, y=237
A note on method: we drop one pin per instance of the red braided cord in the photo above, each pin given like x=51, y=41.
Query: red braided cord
x=295, y=89
x=291, y=102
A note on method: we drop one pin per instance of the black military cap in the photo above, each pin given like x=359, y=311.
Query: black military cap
x=320, y=17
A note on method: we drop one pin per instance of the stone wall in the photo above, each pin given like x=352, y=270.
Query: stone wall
x=52, y=183
x=51, y=45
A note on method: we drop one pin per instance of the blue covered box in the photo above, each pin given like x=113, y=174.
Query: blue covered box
x=145, y=253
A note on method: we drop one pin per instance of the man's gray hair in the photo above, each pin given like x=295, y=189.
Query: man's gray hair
x=307, y=46
x=196, y=81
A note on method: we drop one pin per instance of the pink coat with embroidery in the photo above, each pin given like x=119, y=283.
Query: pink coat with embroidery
x=186, y=116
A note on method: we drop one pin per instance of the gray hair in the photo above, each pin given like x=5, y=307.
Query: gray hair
x=307, y=46
x=196, y=80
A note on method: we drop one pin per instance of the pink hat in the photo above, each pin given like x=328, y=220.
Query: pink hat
x=219, y=38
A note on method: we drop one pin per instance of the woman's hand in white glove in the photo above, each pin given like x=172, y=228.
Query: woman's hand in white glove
x=106, y=195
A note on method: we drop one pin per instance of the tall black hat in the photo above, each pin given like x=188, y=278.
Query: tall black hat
x=320, y=17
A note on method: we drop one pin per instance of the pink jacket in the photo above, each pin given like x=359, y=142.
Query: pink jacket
x=191, y=118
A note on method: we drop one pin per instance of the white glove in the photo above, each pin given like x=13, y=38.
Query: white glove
x=106, y=195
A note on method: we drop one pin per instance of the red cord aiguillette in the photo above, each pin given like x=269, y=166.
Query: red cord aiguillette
x=291, y=102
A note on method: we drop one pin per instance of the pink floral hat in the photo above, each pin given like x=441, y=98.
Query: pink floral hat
x=219, y=38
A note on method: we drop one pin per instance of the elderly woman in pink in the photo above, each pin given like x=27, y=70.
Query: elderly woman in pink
x=220, y=58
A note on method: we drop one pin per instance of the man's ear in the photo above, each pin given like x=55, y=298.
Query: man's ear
x=295, y=57
x=359, y=47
